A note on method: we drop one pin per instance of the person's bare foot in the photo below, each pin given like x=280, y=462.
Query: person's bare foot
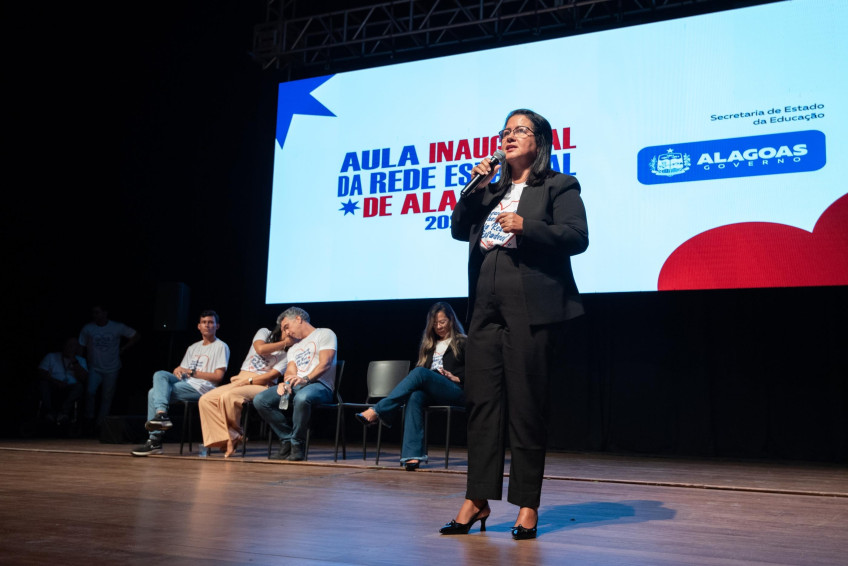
x=232, y=446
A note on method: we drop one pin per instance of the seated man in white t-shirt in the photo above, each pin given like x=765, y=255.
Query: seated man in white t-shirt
x=202, y=368
x=309, y=380
x=61, y=380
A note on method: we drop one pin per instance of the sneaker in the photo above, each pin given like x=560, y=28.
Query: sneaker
x=160, y=422
x=285, y=451
x=150, y=447
x=296, y=453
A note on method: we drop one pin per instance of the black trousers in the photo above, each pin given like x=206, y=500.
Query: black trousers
x=507, y=376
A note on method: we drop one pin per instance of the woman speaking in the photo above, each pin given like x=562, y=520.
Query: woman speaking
x=522, y=231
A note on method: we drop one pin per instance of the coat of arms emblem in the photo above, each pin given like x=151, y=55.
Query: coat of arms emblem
x=670, y=163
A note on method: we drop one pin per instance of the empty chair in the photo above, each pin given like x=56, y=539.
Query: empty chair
x=382, y=377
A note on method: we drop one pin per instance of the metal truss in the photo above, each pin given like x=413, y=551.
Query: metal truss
x=385, y=32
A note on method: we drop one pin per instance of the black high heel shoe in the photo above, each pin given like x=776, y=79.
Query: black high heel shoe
x=411, y=466
x=454, y=528
x=361, y=418
x=520, y=533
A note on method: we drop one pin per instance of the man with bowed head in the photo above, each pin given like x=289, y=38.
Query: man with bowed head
x=309, y=380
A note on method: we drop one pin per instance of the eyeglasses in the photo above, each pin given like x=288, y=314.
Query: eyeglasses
x=519, y=132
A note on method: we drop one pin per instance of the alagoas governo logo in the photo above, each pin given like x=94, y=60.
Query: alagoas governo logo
x=772, y=154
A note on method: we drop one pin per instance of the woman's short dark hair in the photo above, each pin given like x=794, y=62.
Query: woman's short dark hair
x=541, y=167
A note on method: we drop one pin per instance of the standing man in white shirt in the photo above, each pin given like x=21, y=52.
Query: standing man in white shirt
x=309, y=380
x=102, y=338
x=202, y=368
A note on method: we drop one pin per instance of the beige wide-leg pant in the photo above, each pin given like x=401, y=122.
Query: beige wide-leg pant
x=220, y=412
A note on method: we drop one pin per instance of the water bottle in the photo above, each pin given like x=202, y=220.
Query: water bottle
x=284, y=401
x=203, y=451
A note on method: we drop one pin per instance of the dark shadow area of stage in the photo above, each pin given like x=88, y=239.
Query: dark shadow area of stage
x=148, y=149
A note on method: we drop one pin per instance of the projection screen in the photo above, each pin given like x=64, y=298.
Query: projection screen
x=709, y=150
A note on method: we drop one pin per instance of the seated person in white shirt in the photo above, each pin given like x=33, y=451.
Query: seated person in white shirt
x=61, y=381
x=221, y=408
x=309, y=380
x=202, y=368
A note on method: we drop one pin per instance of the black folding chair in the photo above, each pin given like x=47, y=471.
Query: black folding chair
x=382, y=377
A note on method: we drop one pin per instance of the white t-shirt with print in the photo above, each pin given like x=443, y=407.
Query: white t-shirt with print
x=103, y=344
x=439, y=354
x=304, y=354
x=492, y=234
x=263, y=364
x=206, y=358
x=59, y=367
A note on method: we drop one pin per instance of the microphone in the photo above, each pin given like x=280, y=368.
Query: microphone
x=495, y=158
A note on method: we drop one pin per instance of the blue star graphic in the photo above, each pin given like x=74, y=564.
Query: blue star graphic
x=349, y=207
x=296, y=98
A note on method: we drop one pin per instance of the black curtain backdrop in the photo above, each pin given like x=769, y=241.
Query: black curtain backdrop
x=142, y=153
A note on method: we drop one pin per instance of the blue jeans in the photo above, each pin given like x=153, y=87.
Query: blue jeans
x=167, y=388
x=108, y=380
x=418, y=390
x=291, y=425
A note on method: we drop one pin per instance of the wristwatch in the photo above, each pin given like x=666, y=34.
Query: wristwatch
x=250, y=381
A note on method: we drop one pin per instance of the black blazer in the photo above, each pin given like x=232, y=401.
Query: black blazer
x=555, y=229
x=452, y=363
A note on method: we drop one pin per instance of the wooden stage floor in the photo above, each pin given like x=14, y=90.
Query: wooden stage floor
x=82, y=502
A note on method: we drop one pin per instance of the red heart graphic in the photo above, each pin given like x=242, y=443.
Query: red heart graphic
x=763, y=254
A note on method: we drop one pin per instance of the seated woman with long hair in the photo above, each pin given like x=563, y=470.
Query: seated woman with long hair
x=220, y=409
x=436, y=380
